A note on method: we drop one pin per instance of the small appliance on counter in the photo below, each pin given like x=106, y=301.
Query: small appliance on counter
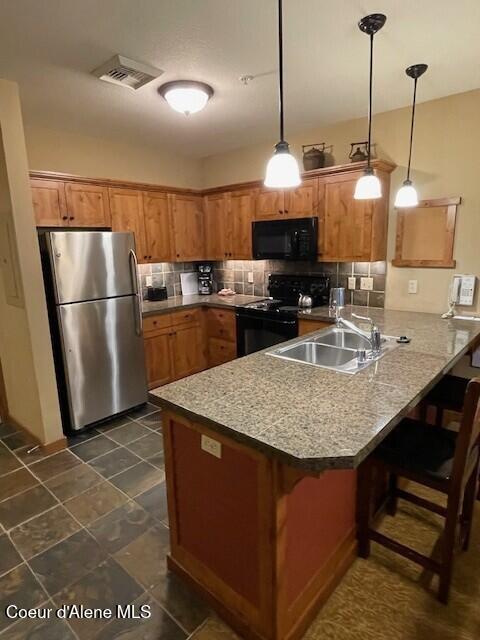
x=268, y=322
x=205, y=279
x=155, y=294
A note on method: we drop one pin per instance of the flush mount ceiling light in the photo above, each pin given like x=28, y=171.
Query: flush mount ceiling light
x=368, y=187
x=407, y=194
x=282, y=168
x=186, y=96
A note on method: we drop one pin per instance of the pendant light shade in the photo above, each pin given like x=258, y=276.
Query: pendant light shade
x=407, y=194
x=368, y=187
x=282, y=168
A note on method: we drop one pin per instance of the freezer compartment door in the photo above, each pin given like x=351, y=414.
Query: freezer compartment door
x=91, y=265
x=103, y=358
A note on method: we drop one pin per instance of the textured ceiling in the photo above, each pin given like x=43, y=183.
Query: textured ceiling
x=50, y=46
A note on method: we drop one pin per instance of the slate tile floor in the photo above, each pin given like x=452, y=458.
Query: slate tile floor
x=89, y=525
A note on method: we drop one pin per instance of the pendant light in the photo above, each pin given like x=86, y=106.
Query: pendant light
x=282, y=168
x=407, y=194
x=368, y=187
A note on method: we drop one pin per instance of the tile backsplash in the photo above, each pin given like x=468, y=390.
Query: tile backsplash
x=234, y=274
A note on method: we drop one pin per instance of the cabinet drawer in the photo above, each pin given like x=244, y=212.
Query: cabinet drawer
x=155, y=323
x=189, y=316
x=221, y=323
x=220, y=351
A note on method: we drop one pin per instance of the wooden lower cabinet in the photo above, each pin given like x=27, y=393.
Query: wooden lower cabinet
x=187, y=351
x=158, y=358
x=221, y=332
x=175, y=346
x=264, y=543
x=307, y=326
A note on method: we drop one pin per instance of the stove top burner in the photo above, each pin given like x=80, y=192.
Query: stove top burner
x=264, y=305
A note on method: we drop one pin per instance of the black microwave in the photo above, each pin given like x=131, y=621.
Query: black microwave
x=292, y=239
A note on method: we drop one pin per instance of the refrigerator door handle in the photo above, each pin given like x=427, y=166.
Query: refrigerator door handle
x=134, y=274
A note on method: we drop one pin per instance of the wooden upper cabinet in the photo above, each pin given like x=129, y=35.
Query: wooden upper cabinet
x=242, y=214
x=188, y=227
x=218, y=227
x=127, y=215
x=49, y=203
x=87, y=205
x=303, y=201
x=269, y=204
x=158, y=227
x=352, y=229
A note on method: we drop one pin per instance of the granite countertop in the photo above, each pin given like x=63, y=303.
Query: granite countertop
x=184, y=302
x=316, y=418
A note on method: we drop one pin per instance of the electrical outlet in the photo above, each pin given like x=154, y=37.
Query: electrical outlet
x=366, y=284
x=352, y=282
x=148, y=281
x=211, y=446
x=250, y=277
x=412, y=286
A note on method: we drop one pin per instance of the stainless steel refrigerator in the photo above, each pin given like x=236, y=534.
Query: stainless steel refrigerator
x=96, y=323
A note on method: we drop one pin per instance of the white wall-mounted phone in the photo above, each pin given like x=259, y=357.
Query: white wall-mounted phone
x=461, y=292
x=463, y=289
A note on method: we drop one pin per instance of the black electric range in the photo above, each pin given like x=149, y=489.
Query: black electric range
x=268, y=322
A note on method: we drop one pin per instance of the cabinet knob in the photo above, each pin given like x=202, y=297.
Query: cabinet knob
x=145, y=257
x=285, y=211
x=72, y=218
x=64, y=217
x=280, y=211
x=178, y=255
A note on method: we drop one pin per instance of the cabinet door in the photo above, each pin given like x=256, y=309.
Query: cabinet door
x=158, y=359
x=242, y=213
x=270, y=204
x=218, y=228
x=188, y=228
x=127, y=215
x=347, y=232
x=188, y=355
x=87, y=205
x=49, y=204
x=302, y=202
x=158, y=229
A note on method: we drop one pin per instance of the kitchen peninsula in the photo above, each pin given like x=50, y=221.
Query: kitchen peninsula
x=261, y=458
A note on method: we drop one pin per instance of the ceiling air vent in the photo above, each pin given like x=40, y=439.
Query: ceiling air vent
x=126, y=73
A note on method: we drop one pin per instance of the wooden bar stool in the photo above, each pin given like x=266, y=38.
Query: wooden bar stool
x=442, y=460
x=447, y=395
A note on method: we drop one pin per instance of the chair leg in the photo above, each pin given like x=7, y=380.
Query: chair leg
x=448, y=548
x=439, y=417
x=392, y=503
x=468, y=508
x=364, y=507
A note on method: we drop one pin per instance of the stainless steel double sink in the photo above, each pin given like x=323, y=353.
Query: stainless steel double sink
x=335, y=348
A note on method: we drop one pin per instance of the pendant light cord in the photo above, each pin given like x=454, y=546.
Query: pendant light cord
x=280, y=59
x=411, y=127
x=370, y=98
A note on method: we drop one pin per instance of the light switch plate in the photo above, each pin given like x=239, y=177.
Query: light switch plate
x=412, y=286
x=148, y=281
x=366, y=284
x=352, y=282
x=211, y=446
x=250, y=276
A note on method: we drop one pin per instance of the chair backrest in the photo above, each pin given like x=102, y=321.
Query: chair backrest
x=469, y=434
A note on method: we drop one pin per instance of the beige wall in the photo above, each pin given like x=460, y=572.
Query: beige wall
x=55, y=150
x=25, y=349
x=445, y=163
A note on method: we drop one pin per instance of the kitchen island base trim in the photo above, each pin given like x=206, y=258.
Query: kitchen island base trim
x=240, y=533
